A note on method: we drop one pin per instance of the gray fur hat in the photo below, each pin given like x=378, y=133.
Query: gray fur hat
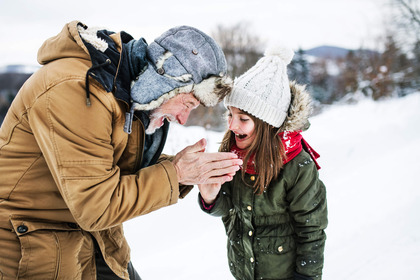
x=181, y=60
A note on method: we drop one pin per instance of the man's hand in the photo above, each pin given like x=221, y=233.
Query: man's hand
x=193, y=166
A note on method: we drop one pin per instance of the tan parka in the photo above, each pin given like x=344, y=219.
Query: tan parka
x=69, y=171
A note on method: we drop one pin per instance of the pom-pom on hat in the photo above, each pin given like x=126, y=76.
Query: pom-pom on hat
x=264, y=91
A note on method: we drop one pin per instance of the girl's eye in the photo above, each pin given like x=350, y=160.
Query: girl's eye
x=244, y=120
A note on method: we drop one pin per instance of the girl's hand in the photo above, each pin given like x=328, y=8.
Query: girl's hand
x=209, y=192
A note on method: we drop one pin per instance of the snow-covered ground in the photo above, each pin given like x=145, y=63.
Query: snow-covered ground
x=370, y=162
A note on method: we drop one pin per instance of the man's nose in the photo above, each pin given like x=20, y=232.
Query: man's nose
x=183, y=117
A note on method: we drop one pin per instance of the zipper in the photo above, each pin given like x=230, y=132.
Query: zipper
x=138, y=162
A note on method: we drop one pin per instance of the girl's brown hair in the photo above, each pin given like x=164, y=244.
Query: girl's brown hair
x=268, y=149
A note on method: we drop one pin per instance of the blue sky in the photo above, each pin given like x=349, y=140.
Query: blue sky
x=25, y=24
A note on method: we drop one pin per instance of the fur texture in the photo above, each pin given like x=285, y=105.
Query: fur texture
x=162, y=59
x=90, y=36
x=212, y=90
x=209, y=92
x=162, y=99
x=299, y=110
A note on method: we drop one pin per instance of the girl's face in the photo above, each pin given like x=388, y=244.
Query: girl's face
x=242, y=126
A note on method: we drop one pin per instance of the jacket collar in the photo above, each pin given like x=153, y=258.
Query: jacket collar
x=113, y=76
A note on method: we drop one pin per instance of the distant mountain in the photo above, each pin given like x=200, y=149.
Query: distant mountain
x=19, y=68
x=11, y=82
x=327, y=52
x=333, y=52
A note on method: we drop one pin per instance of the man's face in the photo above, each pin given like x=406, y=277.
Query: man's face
x=176, y=109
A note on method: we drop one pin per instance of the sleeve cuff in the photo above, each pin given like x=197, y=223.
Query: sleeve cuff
x=206, y=206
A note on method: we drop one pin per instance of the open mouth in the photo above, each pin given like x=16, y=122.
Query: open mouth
x=241, y=136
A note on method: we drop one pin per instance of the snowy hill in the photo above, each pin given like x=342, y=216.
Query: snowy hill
x=369, y=160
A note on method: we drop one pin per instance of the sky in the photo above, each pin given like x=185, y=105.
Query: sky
x=26, y=24
x=369, y=165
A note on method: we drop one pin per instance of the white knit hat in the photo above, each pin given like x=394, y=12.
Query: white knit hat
x=264, y=90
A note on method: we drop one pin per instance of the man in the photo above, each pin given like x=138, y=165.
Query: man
x=80, y=148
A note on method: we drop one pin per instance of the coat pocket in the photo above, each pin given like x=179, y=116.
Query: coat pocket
x=275, y=256
x=275, y=245
x=116, y=235
x=52, y=250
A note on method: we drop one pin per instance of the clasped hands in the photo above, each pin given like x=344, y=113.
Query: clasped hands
x=207, y=170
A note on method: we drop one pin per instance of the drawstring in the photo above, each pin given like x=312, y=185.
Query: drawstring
x=88, y=73
x=129, y=120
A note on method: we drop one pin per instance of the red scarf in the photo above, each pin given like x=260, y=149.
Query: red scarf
x=293, y=144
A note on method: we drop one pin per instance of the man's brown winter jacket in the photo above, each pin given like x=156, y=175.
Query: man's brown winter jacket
x=69, y=171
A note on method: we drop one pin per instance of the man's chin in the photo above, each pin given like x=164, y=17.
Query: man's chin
x=157, y=123
x=151, y=129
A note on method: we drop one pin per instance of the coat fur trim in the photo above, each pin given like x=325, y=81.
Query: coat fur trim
x=162, y=99
x=299, y=110
x=212, y=90
x=90, y=36
x=209, y=92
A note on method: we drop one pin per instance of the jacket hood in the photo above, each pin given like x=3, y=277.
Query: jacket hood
x=66, y=44
x=99, y=47
x=299, y=110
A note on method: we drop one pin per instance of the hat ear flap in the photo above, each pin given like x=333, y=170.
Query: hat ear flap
x=212, y=90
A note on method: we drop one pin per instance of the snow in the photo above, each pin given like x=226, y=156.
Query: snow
x=369, y=159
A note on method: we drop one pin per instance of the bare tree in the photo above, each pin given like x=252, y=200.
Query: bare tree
x=408, y=22
x=242, y=48
x=407, y=18
x=410, y=10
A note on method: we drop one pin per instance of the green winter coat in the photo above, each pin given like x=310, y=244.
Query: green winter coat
x=272, y=235
x=280, y=232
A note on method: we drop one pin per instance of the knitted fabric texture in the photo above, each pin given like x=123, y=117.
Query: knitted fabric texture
x=264, y=90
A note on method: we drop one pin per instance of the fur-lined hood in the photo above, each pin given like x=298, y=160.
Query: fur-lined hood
x=299, y=110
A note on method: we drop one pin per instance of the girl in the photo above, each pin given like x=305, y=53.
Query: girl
x=274, y=210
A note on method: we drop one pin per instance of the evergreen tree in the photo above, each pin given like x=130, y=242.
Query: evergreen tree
x=416, y=66
x=298, y=69
x=321, y=82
